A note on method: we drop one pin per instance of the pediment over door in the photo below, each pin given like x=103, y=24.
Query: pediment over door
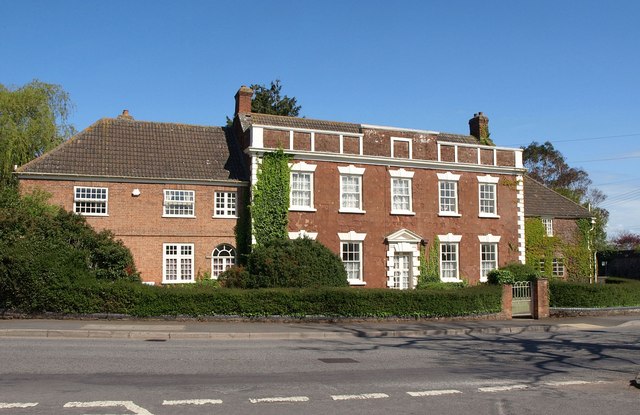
x=404, y=235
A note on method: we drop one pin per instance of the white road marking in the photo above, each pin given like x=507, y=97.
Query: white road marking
x=572, y=382
x=102, y=404
x=503, y=388
x=434, y=392
x=193, y=402
x=361, y=396
x=9, y=405
x=280, y=399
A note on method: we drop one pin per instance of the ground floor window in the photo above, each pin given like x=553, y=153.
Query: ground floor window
x=223, y=257
x=177, y=263
x=449, y=262
x=351, y=253
x=488, y=259
x=557, y=267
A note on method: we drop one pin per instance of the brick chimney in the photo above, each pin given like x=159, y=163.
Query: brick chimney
x=479, y=126
x=243, y=99
x=125, y=115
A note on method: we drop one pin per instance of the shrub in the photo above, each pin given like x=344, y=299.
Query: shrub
x=619, y=294
x=500, y=277
x=522, y=272
x=299, y=262
x=234, y=277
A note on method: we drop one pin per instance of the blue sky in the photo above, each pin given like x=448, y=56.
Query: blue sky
x=564, y=71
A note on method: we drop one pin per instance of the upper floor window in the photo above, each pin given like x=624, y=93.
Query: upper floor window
x=223, y=257
x=177, y=263
x=301, y=197
x=179, y=203
x=557, y=267
x=225, y=204
x=401, y=192
x=487, y=194
x=548, y=226
x=448, y=194
x=351, y=189
x=90, y=201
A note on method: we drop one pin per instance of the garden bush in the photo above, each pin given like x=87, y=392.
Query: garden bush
x=615, y=294
x=299, y=263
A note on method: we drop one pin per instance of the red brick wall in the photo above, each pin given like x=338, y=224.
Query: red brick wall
x=139, y=223
x=377, y=222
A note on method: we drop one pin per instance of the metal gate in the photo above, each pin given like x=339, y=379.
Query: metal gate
x=521, y=303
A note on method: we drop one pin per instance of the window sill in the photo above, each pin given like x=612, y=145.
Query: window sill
x=357, y=283
x=450, y=214
x=179, y=216
x=346, y=210
x=403, y=212
x=450, y=279
x=224, y=217
x=95, y=215
x=301, y=209
x=177, y=282
x=489, y=215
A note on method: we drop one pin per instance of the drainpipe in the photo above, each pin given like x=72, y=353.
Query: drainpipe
x=594, y=278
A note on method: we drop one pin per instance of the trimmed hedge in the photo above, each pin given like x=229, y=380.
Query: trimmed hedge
x=123, y=297
x=613, y=294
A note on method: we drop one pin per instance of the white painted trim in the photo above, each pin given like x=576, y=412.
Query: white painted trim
x=520, y=223
x=306, y=130
x=303, y=234
x=450, y=238
x=351, y=210
x=356, y=282
x=105, y=200
x=351, y=170
x=178, y=256
x=481, y=146
x=402, y=140
x=388, y=128
x=257, y=136
x=489, y=239
x=488, y=215
x=448, y=177
x=450, y=214
x=401, y=174
x=488, y=179
x=351, y=236
x=302, y=166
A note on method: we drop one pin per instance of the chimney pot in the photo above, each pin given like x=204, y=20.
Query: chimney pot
x=125, y=115
x=243, y=99
x=479, y=126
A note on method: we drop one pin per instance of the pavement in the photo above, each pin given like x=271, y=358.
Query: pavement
x=152, y=329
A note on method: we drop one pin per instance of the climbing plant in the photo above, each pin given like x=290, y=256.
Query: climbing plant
x=429, y=264
x=541, y=249
x=270, y=206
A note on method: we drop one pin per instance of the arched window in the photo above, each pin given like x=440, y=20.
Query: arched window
x=222, y=258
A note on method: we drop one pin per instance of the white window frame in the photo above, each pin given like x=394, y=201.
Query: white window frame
x=448, y=179
x=225, y=204
x=222, y=258
x=169, y=203
x=182, y=259
x=351, y=172
x=299, y=170
x=395, y=140
x=454, y=242
x=398, y=282
x=355, y=239
x=548, y=226
x=557, y=267
x=488, y=182
x=91, y=201
x=401, y=176
x=488, y=240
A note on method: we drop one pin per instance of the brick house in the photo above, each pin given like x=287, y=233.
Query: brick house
x=559, y=216
x=375, y=195
x=169, y=191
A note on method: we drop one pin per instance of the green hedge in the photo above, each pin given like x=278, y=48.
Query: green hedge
x=616, y=293
x=124, y=297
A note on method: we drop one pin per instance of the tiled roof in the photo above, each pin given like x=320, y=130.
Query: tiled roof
x=140, y=149
x=539, y=200
x=306, y=123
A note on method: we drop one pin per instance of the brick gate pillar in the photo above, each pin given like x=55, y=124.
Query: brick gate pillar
x=540, y=294
x=507, y=301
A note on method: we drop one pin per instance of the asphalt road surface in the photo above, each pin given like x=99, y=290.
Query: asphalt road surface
x=567, y=372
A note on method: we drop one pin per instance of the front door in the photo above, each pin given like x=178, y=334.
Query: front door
x=402, y=266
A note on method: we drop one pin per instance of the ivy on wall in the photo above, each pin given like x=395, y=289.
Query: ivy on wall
x=541, y=249
x=270, y=206
x=430, y=264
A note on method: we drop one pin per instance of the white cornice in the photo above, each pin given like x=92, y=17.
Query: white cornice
x=408, y=130
x=387, y=161
x=306, y=130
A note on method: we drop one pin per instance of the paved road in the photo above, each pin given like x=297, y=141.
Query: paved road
x=583, y=368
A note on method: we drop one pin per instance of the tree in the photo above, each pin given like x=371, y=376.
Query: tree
x=548, y=166
x=626, y=240
x=267, y=100
x=33, y=120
